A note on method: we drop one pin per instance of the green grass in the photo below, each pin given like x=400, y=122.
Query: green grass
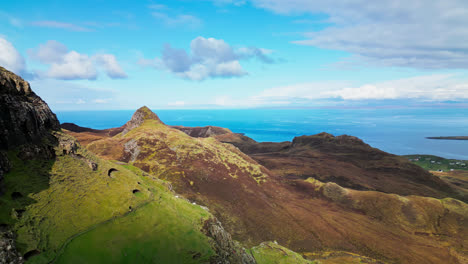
x=71, y=209
x=24, y=178
x=445, y=164
x=272, y=253
x=159, y=232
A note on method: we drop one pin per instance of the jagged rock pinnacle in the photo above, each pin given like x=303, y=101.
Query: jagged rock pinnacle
x=140, y=116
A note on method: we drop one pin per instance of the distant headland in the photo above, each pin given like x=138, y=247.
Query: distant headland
x=450, y=138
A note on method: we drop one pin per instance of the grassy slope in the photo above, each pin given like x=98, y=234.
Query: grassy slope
x=66, y=197
x=167, y=150
x=161, y=232
x=269, y=252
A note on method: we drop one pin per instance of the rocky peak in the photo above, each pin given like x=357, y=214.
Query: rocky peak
x=12, y=83
x=24, y=117
x=139, y=117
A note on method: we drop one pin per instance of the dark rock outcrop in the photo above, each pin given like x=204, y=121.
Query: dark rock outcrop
x=228, y=251
x=24, y=117
x=8, y=252
x=203, y=132
x=4, y=166
x=25, y=120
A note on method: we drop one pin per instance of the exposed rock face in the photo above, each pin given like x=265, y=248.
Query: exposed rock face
x=142, y=114
x=203, y=132
x=24, y=117
x=8, y=252
x=228, y=251
x=132, y=150
x=4, y=167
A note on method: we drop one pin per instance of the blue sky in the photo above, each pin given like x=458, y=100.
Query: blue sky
x=87, y=55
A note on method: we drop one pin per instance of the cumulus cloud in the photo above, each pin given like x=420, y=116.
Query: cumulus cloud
x=110, y=65
x=71, y=65
x=208, y=58
x=10, y=58
x=50, y=52
x=435, y=87
x=418, y=33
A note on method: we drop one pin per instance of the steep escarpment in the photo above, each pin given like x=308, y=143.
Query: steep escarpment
x=317, y=218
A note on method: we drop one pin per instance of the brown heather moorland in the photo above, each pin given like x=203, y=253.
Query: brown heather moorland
x=318, y=195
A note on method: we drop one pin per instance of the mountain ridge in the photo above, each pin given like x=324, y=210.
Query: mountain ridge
x=279, y=208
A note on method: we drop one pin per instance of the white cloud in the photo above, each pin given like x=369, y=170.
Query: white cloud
x=50, y=52
x=10, y=58
x=62, y=94
x=223, y=100
x=14, y=21
x=312, y=90
x=111, y=66
x=208, y=58
x=212, y=49
x=100, y=101
x=60, y=25
x=437, y=87
x=173, y=18
x=178, y=20
x=71, y=65
x=234, y=2
x=418, y=33
x=176, y=103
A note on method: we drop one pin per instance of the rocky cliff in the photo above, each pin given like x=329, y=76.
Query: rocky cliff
x=24, y=118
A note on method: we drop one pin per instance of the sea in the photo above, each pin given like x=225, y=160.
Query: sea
x=398, y=131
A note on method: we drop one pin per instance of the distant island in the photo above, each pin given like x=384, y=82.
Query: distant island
x=450, y=138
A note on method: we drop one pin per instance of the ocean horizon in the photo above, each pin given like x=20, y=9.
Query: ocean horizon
x=397, y=131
